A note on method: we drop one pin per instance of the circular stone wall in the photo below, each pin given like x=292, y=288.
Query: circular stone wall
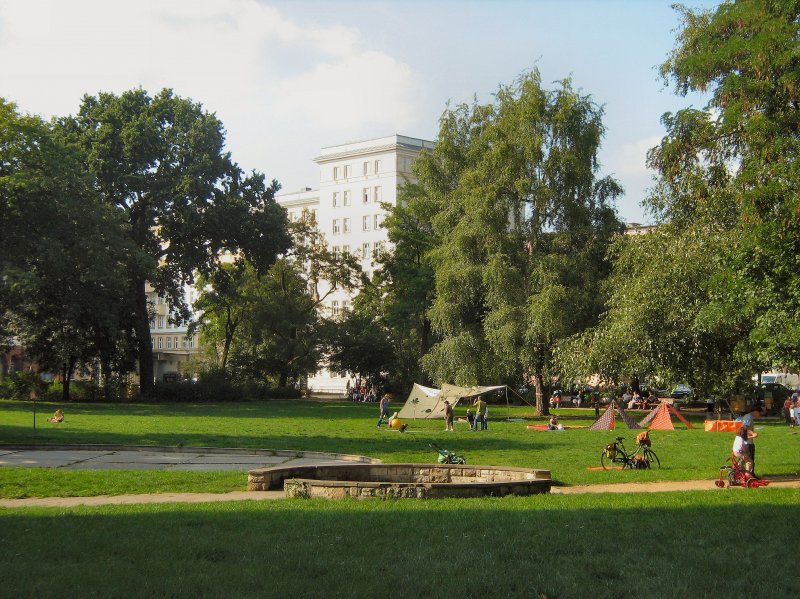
x=337, y=481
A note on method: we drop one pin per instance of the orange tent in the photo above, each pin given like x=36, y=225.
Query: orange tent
x=661, y=418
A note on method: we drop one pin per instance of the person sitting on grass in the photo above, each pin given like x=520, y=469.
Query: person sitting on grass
x=553, y=424
x=57, y=417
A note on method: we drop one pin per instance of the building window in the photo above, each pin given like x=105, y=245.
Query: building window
x=346, y=225
x=191, y=342
x=183, y=342
x=365, y=250
x=345, y=306
x=335, y=308
x=378, y=196
x=152, y=342
x=176, y=342
x=346, y=198
x=376, y=222
x=160, y=322
x=335, y=199
x=365, y=195
x=335, y=226
x=365, y=223
x=366, y=168
x=377, y=166
x=169, y=342
x=335, y=172
x=160, y=343
x=346, y=171
x=345, y=249
x=335, y=251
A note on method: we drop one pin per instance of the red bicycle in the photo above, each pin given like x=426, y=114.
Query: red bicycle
x=737, y=476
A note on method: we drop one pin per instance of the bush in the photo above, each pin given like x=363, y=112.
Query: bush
x=215, y=387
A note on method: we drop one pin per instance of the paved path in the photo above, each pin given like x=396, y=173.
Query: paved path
x=62, y=502
x=111, y=457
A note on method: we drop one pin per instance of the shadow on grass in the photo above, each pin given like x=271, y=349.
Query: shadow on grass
x=670, y=545
x=384, y=442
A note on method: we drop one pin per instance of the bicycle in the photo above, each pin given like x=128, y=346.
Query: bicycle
x=615, y=453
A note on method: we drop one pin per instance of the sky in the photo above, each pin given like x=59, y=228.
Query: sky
x=288, y=78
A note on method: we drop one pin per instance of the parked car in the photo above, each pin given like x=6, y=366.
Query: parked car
x=681, y=393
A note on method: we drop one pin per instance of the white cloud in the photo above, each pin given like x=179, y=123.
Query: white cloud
x=267, y=77
x=630, y=159
x=361, y=89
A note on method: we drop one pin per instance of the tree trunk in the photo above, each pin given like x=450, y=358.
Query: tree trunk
x=105, y=369
x=542, y=401
x=143, y=340
x=69, y=368
x=283, y=379
x=424, y=346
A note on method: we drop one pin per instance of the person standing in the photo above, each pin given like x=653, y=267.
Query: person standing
x=448, y=416
x=480, y=407
x=748, y=420
x=384, y=409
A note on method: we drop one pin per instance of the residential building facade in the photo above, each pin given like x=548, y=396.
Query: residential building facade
x=356, y=178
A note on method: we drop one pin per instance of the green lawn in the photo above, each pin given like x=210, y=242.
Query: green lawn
x=704, y=544
x=553, y=546
x=350, y=428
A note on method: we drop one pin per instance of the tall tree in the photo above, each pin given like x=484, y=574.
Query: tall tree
x=270, y=324
x=745, y=55
x=524, y=223
x=162, y=161
x=63, y=251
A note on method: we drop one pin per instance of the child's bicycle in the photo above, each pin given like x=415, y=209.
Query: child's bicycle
x=448, y=457
x=615, y=453
x=737, y=476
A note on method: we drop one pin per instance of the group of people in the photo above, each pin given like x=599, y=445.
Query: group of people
x=363, y=391
x=791, y=410
x=634, y=401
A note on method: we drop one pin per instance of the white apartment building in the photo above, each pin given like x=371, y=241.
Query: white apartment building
x=172, y=344
x=355, y=179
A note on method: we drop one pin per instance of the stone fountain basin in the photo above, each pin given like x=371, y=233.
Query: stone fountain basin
x=420, y=481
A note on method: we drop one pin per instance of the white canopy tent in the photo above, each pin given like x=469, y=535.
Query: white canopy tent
x=426, y=402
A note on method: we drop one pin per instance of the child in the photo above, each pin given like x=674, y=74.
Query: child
x=470, y=418
x=448, y=416
x=741, y=448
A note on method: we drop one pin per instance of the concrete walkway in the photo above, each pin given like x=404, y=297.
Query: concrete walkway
x=121, y=457
x=67, y=502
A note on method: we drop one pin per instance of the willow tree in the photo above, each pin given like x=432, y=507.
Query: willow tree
x=523, y=220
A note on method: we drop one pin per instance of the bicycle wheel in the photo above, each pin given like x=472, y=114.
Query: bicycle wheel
x=606, y=461
x=652, y=458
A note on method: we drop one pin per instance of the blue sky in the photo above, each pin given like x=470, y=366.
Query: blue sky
x=290, y=77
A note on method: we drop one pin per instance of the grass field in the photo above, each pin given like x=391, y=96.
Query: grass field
x=701, y=544
x=716, y=543
x=350, y=428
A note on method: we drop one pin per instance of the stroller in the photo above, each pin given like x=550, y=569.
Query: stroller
x=738, y=476
x=448, y=457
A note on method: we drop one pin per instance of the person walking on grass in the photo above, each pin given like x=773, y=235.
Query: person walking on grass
x=384, y=409
x=448, y=417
